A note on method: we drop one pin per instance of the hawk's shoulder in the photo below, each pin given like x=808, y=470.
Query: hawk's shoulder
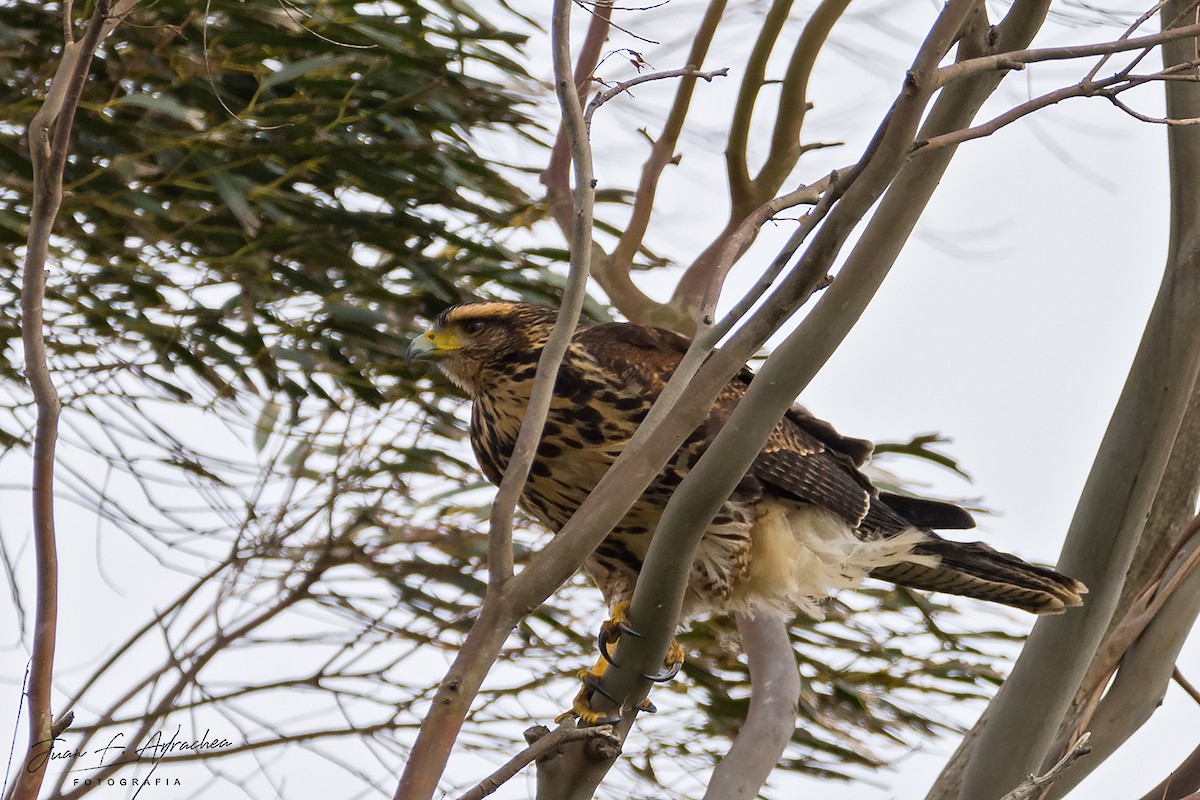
x=639, y=353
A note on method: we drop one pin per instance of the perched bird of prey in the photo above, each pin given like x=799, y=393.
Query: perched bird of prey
x=803, y=522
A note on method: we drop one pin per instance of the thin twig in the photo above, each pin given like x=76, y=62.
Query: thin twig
x=1140, y=117
x=533, y=752
x=1032, y=786
x=1018, y=59
x=1129, y=31
x=1186, y=685
x=624, y=86
x=1108, y=87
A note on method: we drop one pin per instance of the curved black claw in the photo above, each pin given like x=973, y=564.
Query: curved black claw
x=593, y=683
x=623, y=626
x=666, y=675
x=602, y=642
x=647, y=707
x=606, y=637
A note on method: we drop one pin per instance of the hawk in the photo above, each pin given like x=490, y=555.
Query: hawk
x=803, y=523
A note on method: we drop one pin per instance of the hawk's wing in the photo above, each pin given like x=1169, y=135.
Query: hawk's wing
x=805, y=458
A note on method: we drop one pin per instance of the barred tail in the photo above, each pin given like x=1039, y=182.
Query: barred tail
x=975, y=570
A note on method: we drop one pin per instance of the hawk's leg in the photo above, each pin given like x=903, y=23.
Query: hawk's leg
x=610, y=632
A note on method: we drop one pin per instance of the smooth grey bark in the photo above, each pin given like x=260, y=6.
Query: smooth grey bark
x=1117, y=498
x=1142, y=680
x=771, y=719
x=1145, y=671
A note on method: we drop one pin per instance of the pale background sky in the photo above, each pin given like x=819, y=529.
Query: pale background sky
x=1008, y=324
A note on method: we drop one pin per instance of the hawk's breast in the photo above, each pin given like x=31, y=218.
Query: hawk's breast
x=590, y=421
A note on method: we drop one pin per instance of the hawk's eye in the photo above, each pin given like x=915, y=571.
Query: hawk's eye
x=473, y=327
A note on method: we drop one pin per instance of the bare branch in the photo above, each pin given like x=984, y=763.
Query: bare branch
x=754, y=74
x=720, y=257
x=786, y=148
x=49, y=144
x=624, y=86
x=771, y=719
x=499, y=612
x=1185, y=684
x=1108, y=88
x=1016, y=60
x=538, y=749
x=694, y=293
x=616, y=270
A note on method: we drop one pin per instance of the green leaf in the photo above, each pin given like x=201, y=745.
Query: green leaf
x=264, y=426
x=166, y=105
x=304, y=66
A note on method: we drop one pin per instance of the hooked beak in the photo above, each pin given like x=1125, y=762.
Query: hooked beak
x=431, y=344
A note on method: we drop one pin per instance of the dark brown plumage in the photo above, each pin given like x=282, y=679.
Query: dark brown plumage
x=802, y=523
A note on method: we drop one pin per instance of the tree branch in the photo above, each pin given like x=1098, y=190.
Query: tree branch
x=538, y=749
x=499, y=613
x=1108, y=88
x=616, y=269
x=1120, y=489
x=1017, y=59
x=624, y=86
x=692, y=297
x=793, y=98
x=771, y=719
x=1033, y=786
x=754, y=76
x=49, y=145
x=1185, y=684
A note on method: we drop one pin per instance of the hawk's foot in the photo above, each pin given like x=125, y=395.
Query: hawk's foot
x=581, y=706
x=610, y=632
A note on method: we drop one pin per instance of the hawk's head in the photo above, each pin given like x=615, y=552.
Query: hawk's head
x=476, y=344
